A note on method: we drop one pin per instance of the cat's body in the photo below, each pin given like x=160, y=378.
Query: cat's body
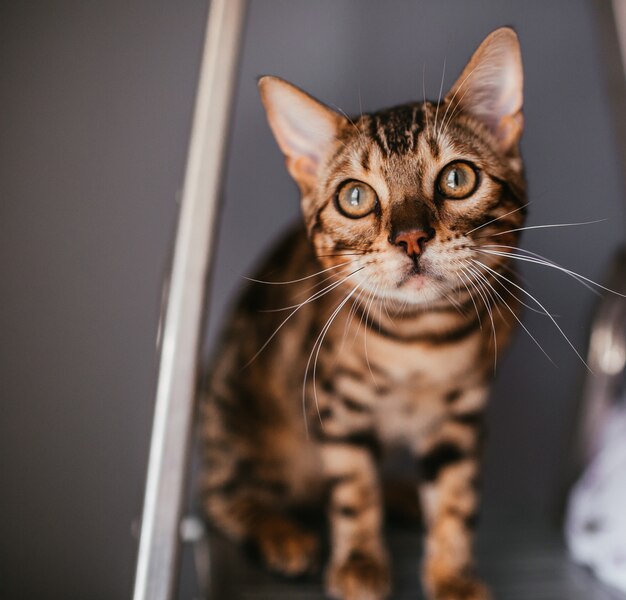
x=387, y=340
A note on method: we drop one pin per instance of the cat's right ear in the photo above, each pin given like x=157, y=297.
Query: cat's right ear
x=304, y=128
x=491, y=87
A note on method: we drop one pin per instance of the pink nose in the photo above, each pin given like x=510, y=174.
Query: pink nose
x=413, y=241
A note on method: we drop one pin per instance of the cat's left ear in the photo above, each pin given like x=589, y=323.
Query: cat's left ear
x=305, y=129
x=491, y=87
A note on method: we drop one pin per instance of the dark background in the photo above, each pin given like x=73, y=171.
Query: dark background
x=96, y=101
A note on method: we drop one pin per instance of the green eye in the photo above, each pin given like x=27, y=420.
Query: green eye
x=457, y=180
x=356, y=199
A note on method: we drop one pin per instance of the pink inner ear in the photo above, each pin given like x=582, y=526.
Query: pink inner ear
x=303, y=127
x=490, y=87
x=300, y=142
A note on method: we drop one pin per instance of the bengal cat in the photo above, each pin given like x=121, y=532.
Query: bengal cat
x=372, y=327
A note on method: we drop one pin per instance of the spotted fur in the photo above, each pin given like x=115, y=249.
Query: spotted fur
x=375, y=348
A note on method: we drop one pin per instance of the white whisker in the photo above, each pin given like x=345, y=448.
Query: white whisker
x=368, y=308
x=350, y=318
x=532, y=337
x=297, y=308
x=544, y=227
x=547, y=263
x=311, y=298
x=480, y=288
x=480, y=323
x=497, y=219
x=297, y=280
x=424, y=92
x=443, y=120
x=443, y=75
x=540, y=305
x=318, y=343
x=536, y=259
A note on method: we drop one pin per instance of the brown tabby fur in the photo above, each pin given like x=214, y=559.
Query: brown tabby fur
x=406, y=361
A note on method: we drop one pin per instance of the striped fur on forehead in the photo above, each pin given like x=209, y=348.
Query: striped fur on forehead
x=395, y=129
x=402, y=142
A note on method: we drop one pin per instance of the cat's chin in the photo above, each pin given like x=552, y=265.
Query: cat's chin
x=413, y=281
x=413, y=291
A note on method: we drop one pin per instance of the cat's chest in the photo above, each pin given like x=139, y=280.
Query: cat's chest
x=397, y=389
x=420, y=359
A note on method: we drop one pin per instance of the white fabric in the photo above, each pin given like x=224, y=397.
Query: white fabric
x=596, y=520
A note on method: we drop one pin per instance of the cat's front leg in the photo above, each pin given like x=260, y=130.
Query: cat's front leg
x=449, y=465
x=358, y=568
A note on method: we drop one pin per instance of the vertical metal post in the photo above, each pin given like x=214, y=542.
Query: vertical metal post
x=157, y=562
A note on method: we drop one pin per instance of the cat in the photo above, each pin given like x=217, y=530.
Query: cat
x=378, y=329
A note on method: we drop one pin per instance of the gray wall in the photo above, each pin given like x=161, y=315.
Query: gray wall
x=96, y=102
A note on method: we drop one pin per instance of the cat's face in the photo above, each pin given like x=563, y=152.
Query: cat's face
x=399, y=201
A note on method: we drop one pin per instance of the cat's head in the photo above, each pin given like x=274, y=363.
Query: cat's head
x=404, y=197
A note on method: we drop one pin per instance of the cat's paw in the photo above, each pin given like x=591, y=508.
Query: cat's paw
x=360, y=577
x=286, y=547
x=461, y=588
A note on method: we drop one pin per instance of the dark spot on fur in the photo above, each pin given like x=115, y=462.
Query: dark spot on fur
x=355, y=406
x=365, y=159
x=358, y=556
x=472, y=419
x=434, y=147
x=452, y=396
x=347, y=511
x=227, y=488
x=326, y=413
x=363, y=439
x=277, y=488
x=349, y=373
x=472, y=520
x=328, y=386
x=441, y=456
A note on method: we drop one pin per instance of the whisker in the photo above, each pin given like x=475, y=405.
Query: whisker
x=368, y=309
x=298, y=307
x=297, y=280
x=443, y=75
x=424, y=92
x=313, y=297
x=350, y=317
x=480, y=323
x=348, y=118
x=547, y=263
x=543, y=227
x=524, y=304
x=514, y=315
x=342, y=254
x=360, y=102
x=445, y=124
x=497, y=218
x=540, y=305
x=318, y=343
x=536, y=259
x=443, y=121
x=483, y=294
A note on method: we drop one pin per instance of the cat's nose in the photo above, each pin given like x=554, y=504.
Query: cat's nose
x=413, y=241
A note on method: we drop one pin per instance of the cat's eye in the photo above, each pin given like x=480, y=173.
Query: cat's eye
x=356, y=199
x=457, y=180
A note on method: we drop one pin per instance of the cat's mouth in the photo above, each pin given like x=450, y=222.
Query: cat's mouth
x=414, y=277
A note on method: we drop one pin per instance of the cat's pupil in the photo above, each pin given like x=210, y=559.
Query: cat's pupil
x=355, y=196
